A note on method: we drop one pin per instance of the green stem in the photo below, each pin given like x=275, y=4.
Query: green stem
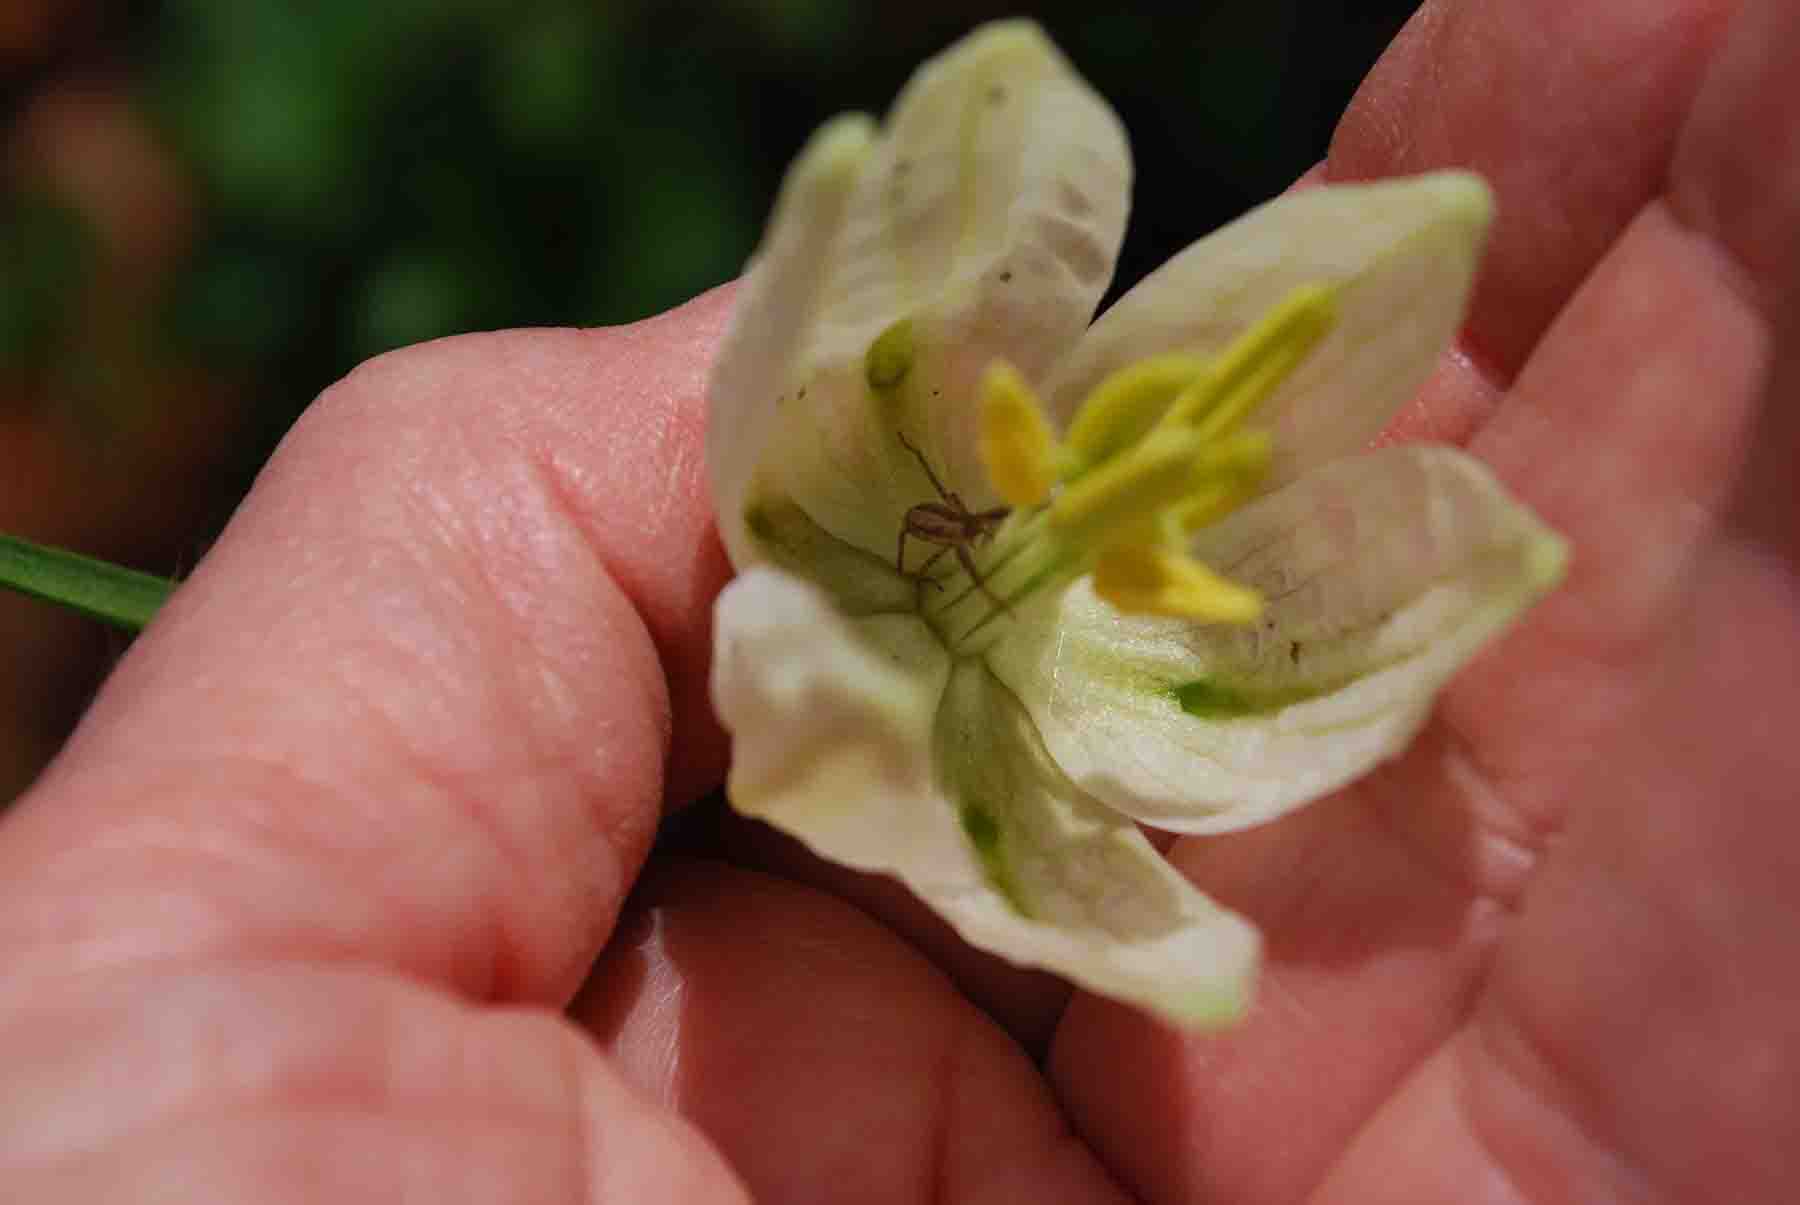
x=100, y=590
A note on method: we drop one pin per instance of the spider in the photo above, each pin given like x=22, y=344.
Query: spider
x=950, y=525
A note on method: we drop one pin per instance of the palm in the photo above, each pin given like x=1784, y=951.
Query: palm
x=1540, y=958
x=1508, y=948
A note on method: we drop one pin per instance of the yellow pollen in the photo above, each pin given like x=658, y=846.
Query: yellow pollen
x=1017, y=446
x=1148, y=579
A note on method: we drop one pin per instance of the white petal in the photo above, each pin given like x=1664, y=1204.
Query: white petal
x=862, y=741
x=857, y=582
x=988, y=220
x=830, y=721
x=1071, y=886
x=775, y=309
x=1404, y=253
x=1382, y=573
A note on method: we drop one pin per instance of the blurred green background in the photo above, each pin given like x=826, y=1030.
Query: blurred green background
x=212, y=209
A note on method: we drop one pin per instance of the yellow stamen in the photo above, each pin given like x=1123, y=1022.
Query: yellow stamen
x=1130, y=487
x=1240, y=455
x=1255, y=365
x=1127, y=403
x=1227, y=473
x=1207, y=505
x=1149, y=579
x=1155, y=452
x=1017, y=445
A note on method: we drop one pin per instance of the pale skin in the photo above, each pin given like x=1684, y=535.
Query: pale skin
x=306, y=909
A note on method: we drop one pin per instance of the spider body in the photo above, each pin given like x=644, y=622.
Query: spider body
x=949, y=525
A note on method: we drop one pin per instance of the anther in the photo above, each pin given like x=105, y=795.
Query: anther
x=1017, y=445
x=1257, y=363
x=1147, y=579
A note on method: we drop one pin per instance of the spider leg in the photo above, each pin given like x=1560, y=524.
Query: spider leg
x=924, y=571
x=937, y=485
x=922, y=574
x=968, y=564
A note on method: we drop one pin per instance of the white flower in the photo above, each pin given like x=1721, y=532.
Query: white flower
x=1200, y=606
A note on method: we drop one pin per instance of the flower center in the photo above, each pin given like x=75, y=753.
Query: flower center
x=1157, y=451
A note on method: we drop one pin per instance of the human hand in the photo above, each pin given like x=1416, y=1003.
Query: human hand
x=1546, y=956
x=298, y=912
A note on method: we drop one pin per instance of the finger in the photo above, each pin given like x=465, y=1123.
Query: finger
x=1651, y=913
x=1736, y=180
x=288, y=1084
x=414, y=709
x=823, y=1057
x=1628, y=430
x=1736, y=174
x=1569, y=110
x=1636, y=1039
x=1025, y=1003
x=1381, y=906
x=1624, y=433
x=1370, y=953
x=1639, y=1035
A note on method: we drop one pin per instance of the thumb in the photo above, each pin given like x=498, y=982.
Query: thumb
x=416, y=706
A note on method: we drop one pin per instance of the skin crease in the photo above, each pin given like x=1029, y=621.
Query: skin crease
x=300, y=911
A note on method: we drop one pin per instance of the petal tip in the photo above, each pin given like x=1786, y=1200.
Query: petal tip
x=1207, y=1010
x=1016, y=44
x=1224, y=998
x=1004, y=37
x=1546, y=561
x=1464, y=198
x=836, y=150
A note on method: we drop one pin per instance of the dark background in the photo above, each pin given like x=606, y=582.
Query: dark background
x=211, y=209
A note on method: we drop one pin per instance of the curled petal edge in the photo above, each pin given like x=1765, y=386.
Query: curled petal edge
x=1382, y=576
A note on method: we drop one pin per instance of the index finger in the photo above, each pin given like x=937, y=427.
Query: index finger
x=415, y=707
x=1571, y=111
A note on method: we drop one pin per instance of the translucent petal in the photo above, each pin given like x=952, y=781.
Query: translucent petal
x=985, y=225
x=1069, y=885
x=863, y=741
x=1404, y=253
x=831, y=720
x=1381, y=574
x=776, y=306
x=858, y=582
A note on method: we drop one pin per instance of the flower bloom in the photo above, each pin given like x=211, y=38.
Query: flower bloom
x=1010, y=584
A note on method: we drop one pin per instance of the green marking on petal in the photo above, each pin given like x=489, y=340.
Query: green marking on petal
x=982, y=827
x=1215, y=699
x=859, y=582
x=890, y=357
